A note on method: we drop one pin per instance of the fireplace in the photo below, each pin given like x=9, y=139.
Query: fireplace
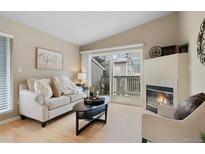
x=156, y=95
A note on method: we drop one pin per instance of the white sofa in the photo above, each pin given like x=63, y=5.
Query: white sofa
x=31, y=106
x=163, y=128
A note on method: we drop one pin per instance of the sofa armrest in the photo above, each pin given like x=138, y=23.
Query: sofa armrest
x=32, y=105
x=23, y=86
x=166, y=111
x=37, y=98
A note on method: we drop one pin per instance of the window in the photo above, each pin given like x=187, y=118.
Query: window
x=6, y=104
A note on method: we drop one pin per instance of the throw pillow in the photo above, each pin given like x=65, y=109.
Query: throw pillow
x=43, y=87
x=30, y=83
x=188, y=106
x=57, y=90
x=68, y=82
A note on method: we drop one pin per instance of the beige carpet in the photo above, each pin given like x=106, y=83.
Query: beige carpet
x=124, y=125
x=128, y=100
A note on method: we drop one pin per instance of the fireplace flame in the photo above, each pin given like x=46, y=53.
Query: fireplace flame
x=161, y=99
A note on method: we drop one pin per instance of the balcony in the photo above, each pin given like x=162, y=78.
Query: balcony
x=126, y=85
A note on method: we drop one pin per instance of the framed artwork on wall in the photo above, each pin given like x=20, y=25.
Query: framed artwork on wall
x=48, y=59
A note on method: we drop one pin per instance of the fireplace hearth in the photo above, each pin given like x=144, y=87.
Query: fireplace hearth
x=156, y=95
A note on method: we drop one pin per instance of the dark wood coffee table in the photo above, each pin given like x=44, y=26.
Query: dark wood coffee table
x=91, y=113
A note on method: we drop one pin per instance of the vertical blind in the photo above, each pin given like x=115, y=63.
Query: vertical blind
x=5, y=74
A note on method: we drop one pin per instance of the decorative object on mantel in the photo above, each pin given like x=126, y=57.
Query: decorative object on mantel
x=200, y=43
x=169, y=50
x=48, y=59
x=155, y=51
x=183, y=48
x=158, y=51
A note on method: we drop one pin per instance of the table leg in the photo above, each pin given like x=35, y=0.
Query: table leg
x=78, y=131
x=106, y=107
x=77, y=123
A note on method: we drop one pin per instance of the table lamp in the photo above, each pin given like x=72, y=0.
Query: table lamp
x=82, y=78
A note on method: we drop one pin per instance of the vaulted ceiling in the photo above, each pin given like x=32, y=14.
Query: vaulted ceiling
x=80, y=27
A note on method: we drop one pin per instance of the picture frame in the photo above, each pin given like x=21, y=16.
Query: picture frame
x=47, y=59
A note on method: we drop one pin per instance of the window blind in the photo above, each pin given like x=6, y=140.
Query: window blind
x=5, y=75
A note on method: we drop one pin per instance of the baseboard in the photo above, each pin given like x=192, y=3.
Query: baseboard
x=9, y=120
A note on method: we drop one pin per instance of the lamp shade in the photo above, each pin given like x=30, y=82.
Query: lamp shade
x=81, y=76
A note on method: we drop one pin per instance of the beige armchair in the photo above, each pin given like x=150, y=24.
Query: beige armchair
x=163, y=128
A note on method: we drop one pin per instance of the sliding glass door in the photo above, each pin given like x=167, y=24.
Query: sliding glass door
x=126, y=78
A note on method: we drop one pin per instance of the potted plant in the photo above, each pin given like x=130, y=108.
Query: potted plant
x=92, y=91
x=203, y=137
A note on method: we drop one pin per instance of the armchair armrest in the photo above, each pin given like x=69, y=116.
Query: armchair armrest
x=159, y=129
x=166, y=111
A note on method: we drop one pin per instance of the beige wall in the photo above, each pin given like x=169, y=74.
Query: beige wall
x=162, y=32
x=189, y=25
x=25, y=41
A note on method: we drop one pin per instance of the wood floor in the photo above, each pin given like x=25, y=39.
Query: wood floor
x=123, y=125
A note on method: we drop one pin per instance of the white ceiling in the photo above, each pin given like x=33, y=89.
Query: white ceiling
x=80, y=27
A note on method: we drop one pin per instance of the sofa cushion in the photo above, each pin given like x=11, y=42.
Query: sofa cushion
x=55, y=102
x=77, y=97
x=43, y=87
x=55, y=85
x=188, y=106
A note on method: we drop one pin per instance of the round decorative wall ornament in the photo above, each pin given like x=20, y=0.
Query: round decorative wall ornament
x=201, y=43
x=155, y=51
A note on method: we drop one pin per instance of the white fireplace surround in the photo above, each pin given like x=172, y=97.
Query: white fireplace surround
x=169, y=71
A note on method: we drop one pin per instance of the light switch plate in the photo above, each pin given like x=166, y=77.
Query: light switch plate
x=19, y=69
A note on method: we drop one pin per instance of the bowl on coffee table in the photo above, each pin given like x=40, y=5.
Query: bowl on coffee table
x=94, y=101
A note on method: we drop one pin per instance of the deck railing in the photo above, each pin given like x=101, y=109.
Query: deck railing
x=126, y=85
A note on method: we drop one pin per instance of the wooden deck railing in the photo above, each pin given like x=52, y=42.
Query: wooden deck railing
x=129, y=85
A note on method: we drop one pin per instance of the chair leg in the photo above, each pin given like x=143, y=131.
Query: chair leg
x=23, y=117
x=144, y=140
x=43, y=124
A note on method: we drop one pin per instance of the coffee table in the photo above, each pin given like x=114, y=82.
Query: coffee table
x=91, y=113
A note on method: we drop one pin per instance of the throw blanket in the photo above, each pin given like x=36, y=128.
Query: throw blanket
x=68, y=87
